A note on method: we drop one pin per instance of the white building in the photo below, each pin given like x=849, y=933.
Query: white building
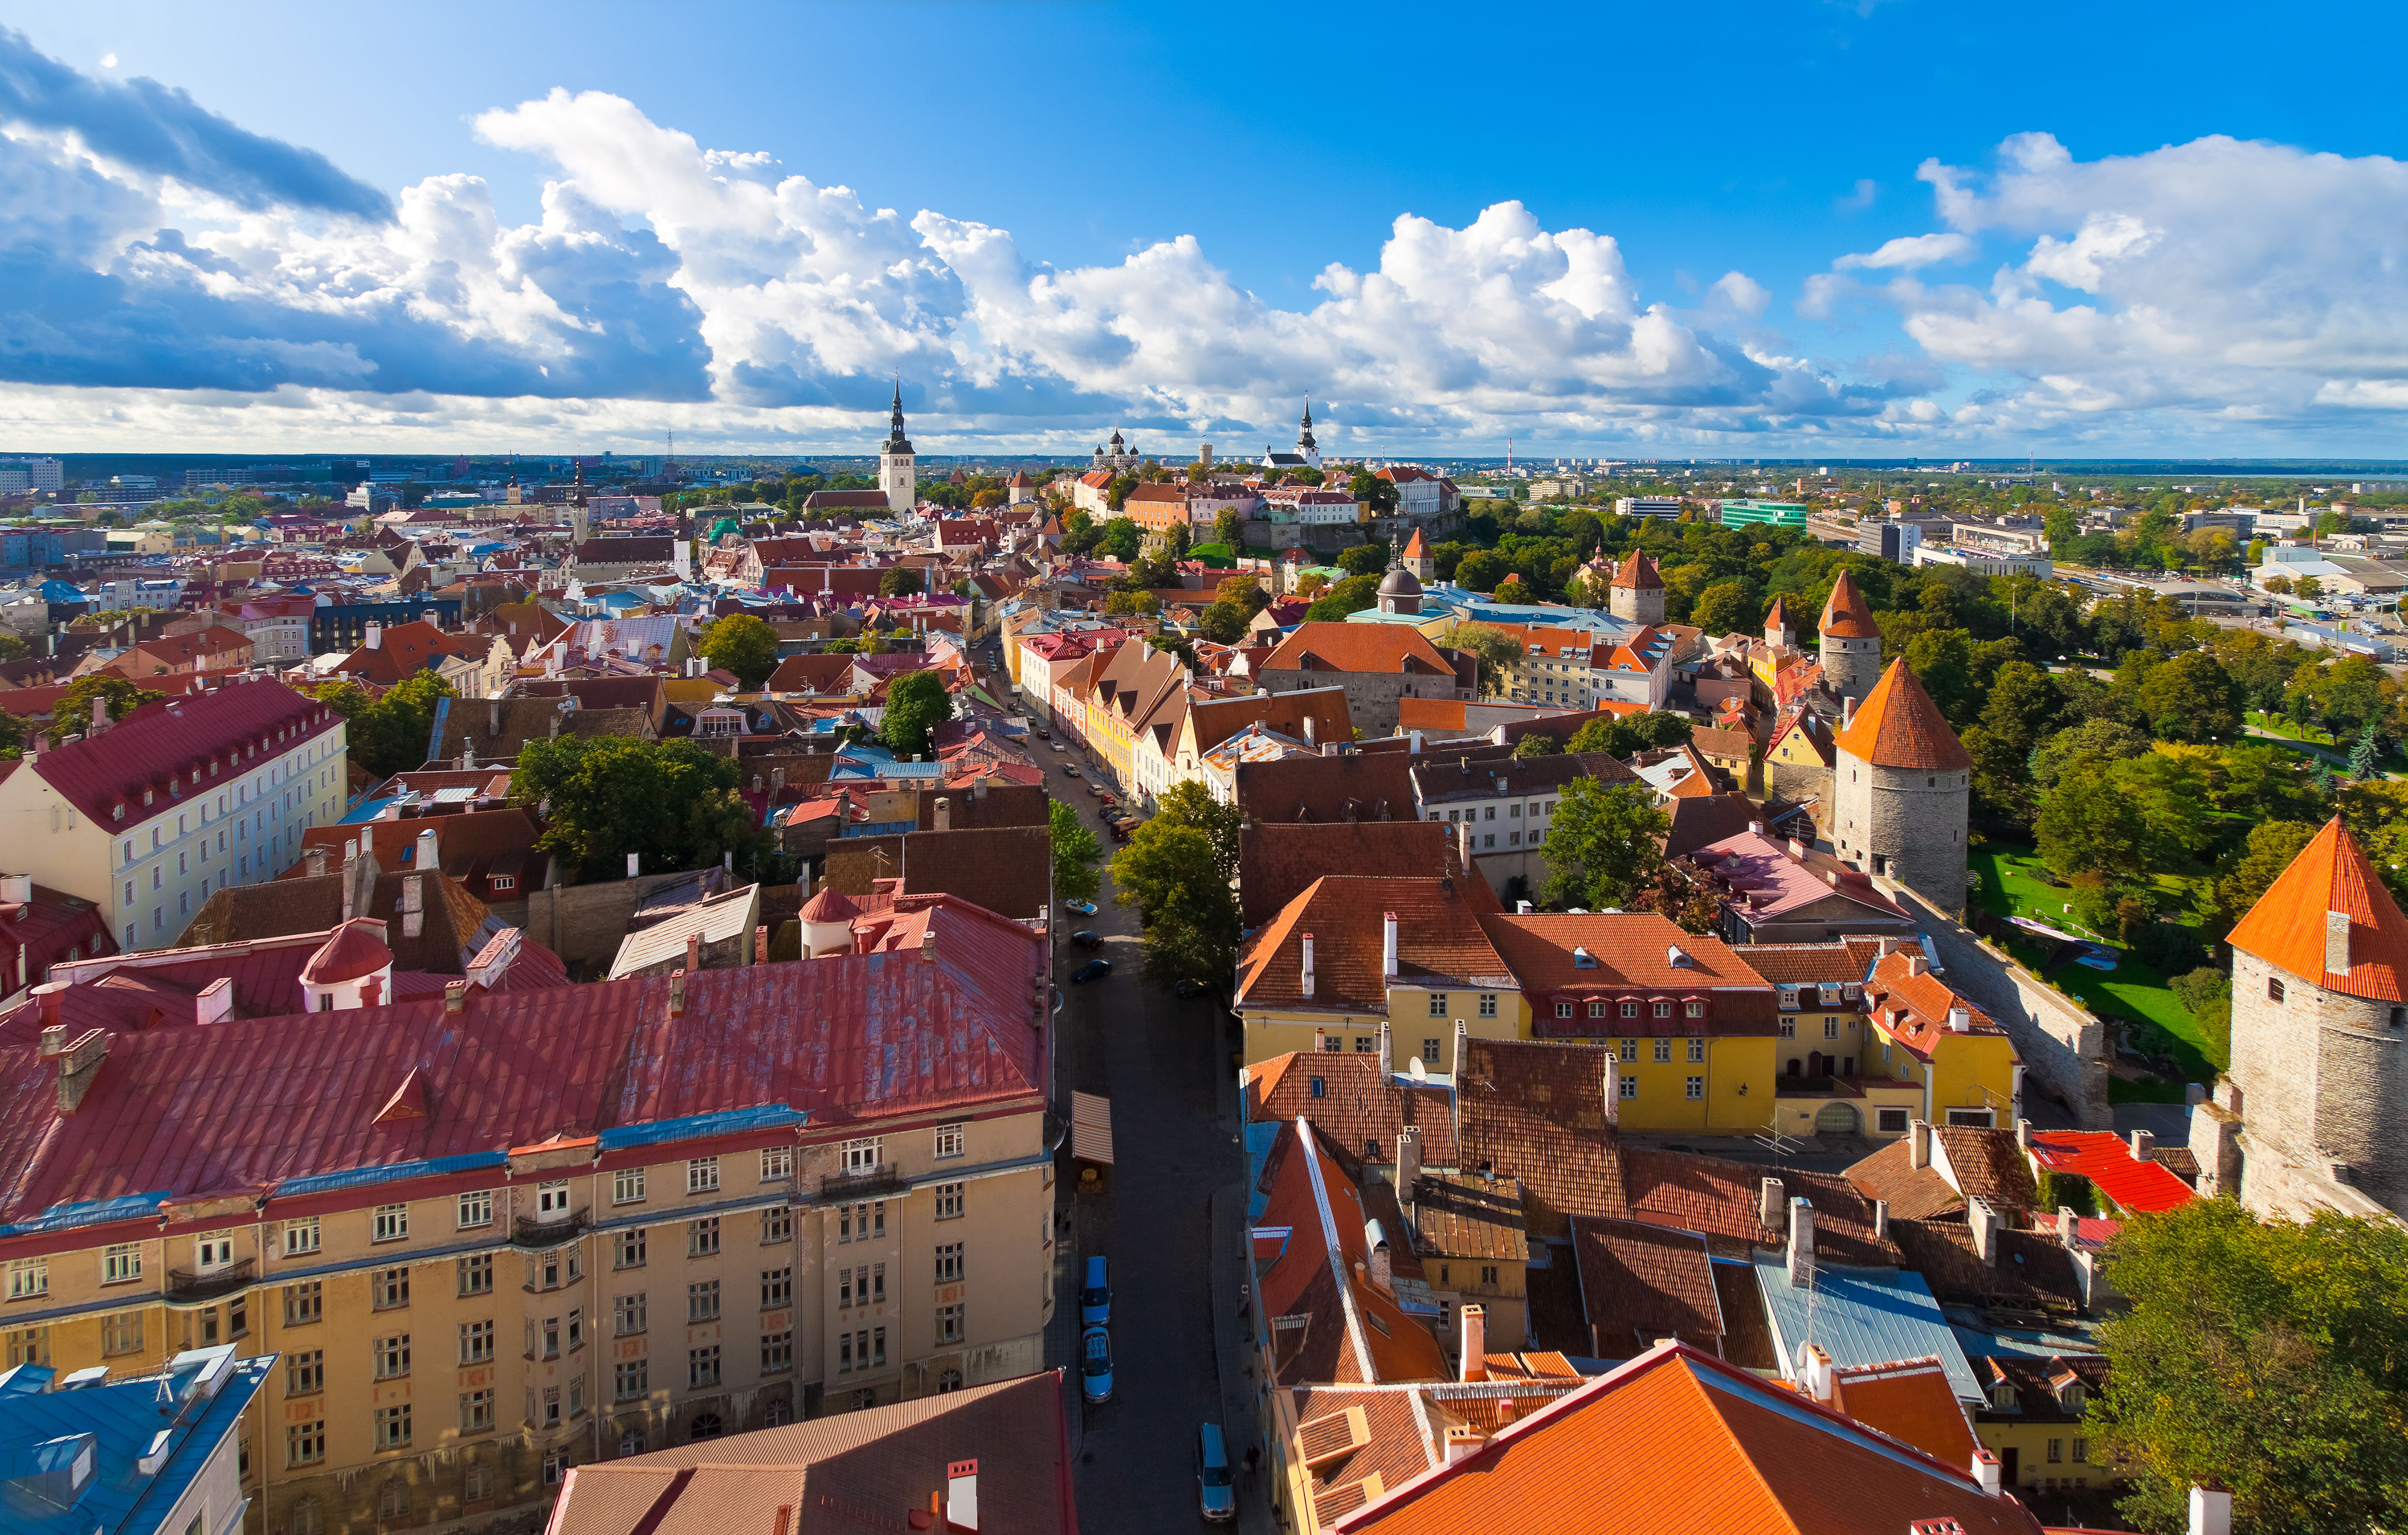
x=41, y=474
x=1647, y=506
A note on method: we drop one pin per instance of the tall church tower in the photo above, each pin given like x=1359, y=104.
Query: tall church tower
x=579, y=515
x=1851, y=643
x=1306, y=448
x=895, y=476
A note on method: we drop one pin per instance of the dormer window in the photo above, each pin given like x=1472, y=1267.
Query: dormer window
x=1631, y=1010
x=1663, y=1010
x=2002, y=1398
x=1583, y=959
x=2070, y=1397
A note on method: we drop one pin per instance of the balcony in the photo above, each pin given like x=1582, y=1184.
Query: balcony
x=531, y=1231
x=197, y=1288
x=860, y=1184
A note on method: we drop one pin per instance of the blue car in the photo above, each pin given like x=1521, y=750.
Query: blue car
x=1084, y=909
x=1095, y=1365
x=1094, y=970
x=1216, y=1493
x=1095, y=1297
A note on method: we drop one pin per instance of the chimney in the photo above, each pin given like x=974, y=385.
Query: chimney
x=1385, y=1056
x=961, y=1494
x=1414, y=738
x=494, y=718
x=1985, y=1472
x=1311, y=732
x=1798, y=850
x=1463, y=1442
x=414, y=905
x=1408, y=1164
x=1815, y=1372
x=2211, y=1510
x=1475, y=1344
x=78, y=1062
x=1847, y=711
x=761, y=945
x=1388, y=945
x=677, y=994
x=427, y=859
x=1756, y=827
x=2023, y=1136
x=1985, y=1222
x=1881, y=1219
x=1462, y=1052
x=1917, y=962
x=635, y=862
x=1464, y=845
x=2065, y=1226
x=99, y=717
x=314, y=859
x=455, y=996
x=215, y=1001
x=2144, y=1142
x=1612, y=1088
x=928, y=946
x=375, y=636
x=1918, y=1144
x=1375, y=1243
x=1773, y=1197
x=1801, y=1241
x=1308, y=967
x=692, y=953
x=1960, y=1019
x=2337, y=943
x=944, y=813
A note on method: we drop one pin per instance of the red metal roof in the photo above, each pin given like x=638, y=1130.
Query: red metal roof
x=158, y=740
x=356, y=950
x=2108, y=1162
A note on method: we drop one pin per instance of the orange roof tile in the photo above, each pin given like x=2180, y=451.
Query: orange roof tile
x=1575, y=958
x=1911, y=1003
x=1382, y=648
x=1847, y=615
x=1359, y=1105
x=1637, y=573
x=1899, y=727
x=1414, y=548
x=2286, y=928
x=1438, y=942
x=1912, y=1402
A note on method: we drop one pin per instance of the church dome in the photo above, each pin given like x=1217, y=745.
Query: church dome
x=1400, y=583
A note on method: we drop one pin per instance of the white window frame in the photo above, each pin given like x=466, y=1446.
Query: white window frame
x=120, y=1263
x=388, y=1223
x=950, y=1140
x=302, y=1236
x=475, y=1209
x=28, y=1279
x=702, y=1175
x=777, y=1163
x=863, y=1155
x=627, y=1186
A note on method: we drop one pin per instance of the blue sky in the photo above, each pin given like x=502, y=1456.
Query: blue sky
x=1797, y=227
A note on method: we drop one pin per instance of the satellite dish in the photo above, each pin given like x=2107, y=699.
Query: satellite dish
x=1416, y=1069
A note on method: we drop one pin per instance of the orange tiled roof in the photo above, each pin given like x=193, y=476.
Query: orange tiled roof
x=1355, y=1331
x=1637, y=573
x=1847, y=615
x=1382, y=648
x=1911, y=1400
x=2287, y=928
x=1640, y=1282
x=1630, y=953
x=1438, y=944
x=1360, y=1105
x=1899, y=727
x=1910, y=1004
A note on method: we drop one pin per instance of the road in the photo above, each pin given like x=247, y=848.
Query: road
x=1160, y=1061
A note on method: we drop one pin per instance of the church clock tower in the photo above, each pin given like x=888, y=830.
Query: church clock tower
x=895, y=476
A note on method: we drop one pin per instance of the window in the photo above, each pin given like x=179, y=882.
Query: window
x=2080, y=1452
x=949, y=1201
x=844, y=1351
x=479, y=1482
x=702, y=1237
x=844, y=1286
x=702, y=1366
x=304, y=1444
x=949, y=1324
x=389, y=1222
x=949, y=1141
x=1596, y=1010
x=702, y=1175
x=627, y=1249
x=300, y=1237
x=1630, y=1088
x=305, y=1374
x=1631, y=1010
x=874, y=1287
x=1693, y=1009
x=1697, y=1052
x=476, y=1410
x=1332, y=1044
x=551, y=1200
x=1697, y=1088
x=551, y=1406
x=476, y=1275
x=476, y=1343
x=28, y=1346
x=878, y=1346
x=776, y=1352
x=1663, y=1049
x=627, y=1186
x=1662, y=1009
x=476, y=1210
x=948, y=1262
x=1631, y=1050
x=392, y=1356
x=1488, y=1275
x=576, y=1329
x=389, y=1289
x=2055, y=1451
x=1362, y=1044
x=1831, y=1028
x=120, y=1264
x=777, y=1226
x=392, y=1426
x=1789, y=1028
x=702, y=1302
x=776, y=1163
x=28, y=1278
x=1563, y=1009
x=303, y=1304
x=627, y=1314
x=1488, y=1004
x=862, y=1155
x=632, y=1379
x=1437, y=1004
x=1890, y=1121
x=2274, y=989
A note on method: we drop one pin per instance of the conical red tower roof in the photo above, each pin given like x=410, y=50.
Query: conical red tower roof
x=1639, y=573
x=1847, y=616
x=1899, y=727
x=2290, y=926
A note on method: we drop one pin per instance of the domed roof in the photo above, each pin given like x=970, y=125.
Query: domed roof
x=356, y=951
x=830, y=906
x=1400, y=583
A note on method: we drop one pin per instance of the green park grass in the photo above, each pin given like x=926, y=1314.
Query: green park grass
x=2012, y=884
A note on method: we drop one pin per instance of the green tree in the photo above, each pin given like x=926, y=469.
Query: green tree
x=72, y=715
x=916, y=703
x=1179, y=868
x=1538, y=744
x=2088, y=823
x=2268, y=850
x=1364, y=559
x=1381, y=494
x=673, y=803
x=1479, y=572
x=13, y=732
x=1496, y=650
x=2271, y=1358
x=1727, y=607
x=2190, y=699
x=1604, y=847
x=744, y=645
x=1076, y=853
x=1122, y=539
x=1229, y=529
x=901, y=580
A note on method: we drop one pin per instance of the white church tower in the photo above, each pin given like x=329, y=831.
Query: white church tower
x=895, y=476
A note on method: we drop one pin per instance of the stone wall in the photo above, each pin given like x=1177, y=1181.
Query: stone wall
x=1798, y=783
x=1913, y=823
x=2319, y=1076
x=2063, y=1047
x=583, y=923
x=1852, y=667
x=1371, y=696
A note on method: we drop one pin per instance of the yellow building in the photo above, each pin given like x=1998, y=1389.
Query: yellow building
x=497, y=1233
x=2032, y=1420
x=1930, y=1035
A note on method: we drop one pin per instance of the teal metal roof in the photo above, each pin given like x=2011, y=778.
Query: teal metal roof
x=108, y=1428
x=1861, y=1316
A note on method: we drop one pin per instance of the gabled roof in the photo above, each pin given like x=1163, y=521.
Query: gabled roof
x=2288, y=926
x=1384, y=648
x=1355, y=1100
x=1899, y=727
x=1640, y=1282
x=1561, y=955
x=1350, y=787
x=1910, y=1004
x=1439, y=944
x=1846, y=615
x=1352, y=1331
x=1763, y=880
x=1278, y=861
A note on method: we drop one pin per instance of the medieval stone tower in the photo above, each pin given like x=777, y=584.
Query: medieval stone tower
x=2319, y=1043
x=1852, y=643
x=1637, y=592
x=895, y=475
x=1900, y=792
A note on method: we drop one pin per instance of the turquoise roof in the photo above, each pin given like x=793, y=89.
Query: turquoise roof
x=1861, y=1316
x=186, y=1411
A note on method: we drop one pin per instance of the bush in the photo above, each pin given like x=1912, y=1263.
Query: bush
x=2059, y=1190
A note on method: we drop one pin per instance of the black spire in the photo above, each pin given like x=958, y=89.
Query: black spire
x=896, y=441
x=1304, y=435
x=577, y=489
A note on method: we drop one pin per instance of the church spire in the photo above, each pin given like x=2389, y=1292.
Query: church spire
x=896, y=441
x=1304, y=433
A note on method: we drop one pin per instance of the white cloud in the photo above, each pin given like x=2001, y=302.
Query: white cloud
x=1861, y=198
x=1913, y=250
x=109, y=61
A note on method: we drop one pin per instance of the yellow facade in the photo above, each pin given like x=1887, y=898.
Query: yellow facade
x=1422, y=1026
x=1967, y=1072
x=1730, y=1078
x=2028, y=1448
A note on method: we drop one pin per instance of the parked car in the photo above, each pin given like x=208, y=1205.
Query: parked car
x=1093, y=787
x=1043, y=734
x=1095, y=1365
x=1084, y=909
x=1094, y=970
x=1120, y=831
x=1095, y=1296
x=1086, y=940
x=1071, y=769
x=1215, y=1490
x=1189, y=988
x=1059, y=747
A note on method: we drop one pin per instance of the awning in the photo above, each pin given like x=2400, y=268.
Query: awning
x=1091, y=1128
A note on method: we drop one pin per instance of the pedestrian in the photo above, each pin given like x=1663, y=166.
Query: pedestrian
x=1254, y=1460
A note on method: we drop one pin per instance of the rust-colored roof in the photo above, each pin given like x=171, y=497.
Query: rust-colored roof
x=356, y=950
x=1987, y=1164
x=1725, y=1202
x=829, y=905
x=2107, y=1161
x=2286, y=928
x=1911, y=1192
x=1899, y=727
x=1535, y=1111
x=1640, y=1282
x=1439, y=944
x=1752, y=1458
x=1278, y=861
x=1351, y=786
x=1580, y=957
x=1385, y=649
x=1847, y=615
x=1352, y=1331
x=2032, y=1270
x=1354, y=1100
x=1637, y=573
x=1811, y=964
x=1911, y=1003
x=1463, y=1215
x=1912, y=1400
x=1414, y=548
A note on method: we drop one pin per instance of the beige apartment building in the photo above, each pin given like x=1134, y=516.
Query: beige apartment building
x=496, y=1233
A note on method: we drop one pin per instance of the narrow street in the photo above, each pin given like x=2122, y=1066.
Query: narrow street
x=1160, y=1061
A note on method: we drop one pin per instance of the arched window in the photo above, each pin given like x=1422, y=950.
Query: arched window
x=705, y=1425
x=303, y=1518
x=948, y=1380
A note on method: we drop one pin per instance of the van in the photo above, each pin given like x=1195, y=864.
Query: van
x=1215, y=1485
x=1095, y=1297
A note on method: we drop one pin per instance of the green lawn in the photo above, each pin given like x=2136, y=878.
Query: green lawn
x=2012, y=885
